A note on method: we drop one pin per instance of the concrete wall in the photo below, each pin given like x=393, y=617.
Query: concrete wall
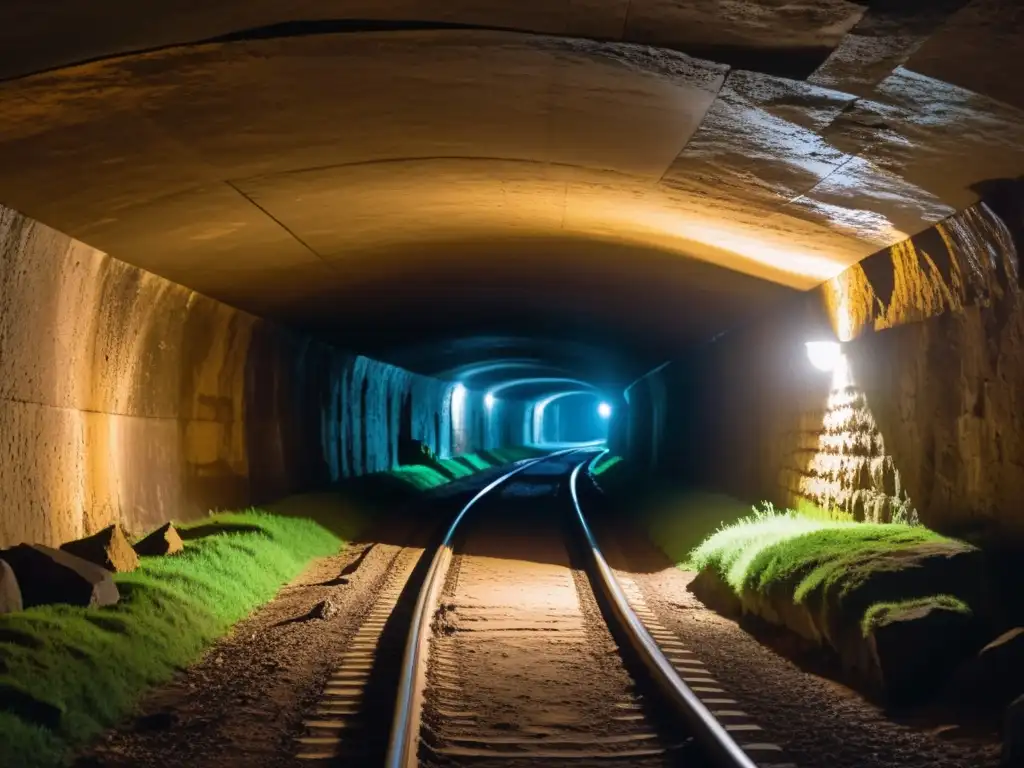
x=923, y=417
x=124, y=397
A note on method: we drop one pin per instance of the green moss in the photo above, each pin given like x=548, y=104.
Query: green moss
x=770, y=547
x=606, y=462
x=92, y=664
x=437, y=472
x=848, y=575
x=880, y=613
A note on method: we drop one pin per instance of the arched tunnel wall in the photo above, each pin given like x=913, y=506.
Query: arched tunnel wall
x=923, y=417
x=125, y=397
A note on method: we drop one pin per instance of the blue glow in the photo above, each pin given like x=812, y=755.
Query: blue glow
x=541, y=380
x=490, y=400
x=604, y=410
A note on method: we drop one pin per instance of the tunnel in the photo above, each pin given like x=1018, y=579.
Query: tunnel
x=703, y=287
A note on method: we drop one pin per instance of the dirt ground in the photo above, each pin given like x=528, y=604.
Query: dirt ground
x=818, y=721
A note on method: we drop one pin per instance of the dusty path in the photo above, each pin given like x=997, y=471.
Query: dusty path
x=523, y=670
x=818, y=721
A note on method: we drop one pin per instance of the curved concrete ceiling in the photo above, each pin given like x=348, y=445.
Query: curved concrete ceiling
x=634, y=175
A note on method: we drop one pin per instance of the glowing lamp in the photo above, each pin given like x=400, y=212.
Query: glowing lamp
x=489, y=400
x=604, y=410
x=824, y=355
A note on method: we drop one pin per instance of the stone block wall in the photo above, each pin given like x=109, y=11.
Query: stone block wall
x=922, y=417
x=127, y=398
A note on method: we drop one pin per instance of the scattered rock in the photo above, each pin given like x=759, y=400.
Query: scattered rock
x=994, y=677
x=325, y=609
x=912, y=650
x=48, y=575
x=165, y=540
x=10, y=592
x=109, y=548
x=28, y=706
x=1013, y=735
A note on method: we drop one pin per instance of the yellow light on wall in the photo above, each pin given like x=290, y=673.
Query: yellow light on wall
x=824, y=355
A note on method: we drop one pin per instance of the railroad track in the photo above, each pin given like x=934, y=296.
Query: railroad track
x=522, y=647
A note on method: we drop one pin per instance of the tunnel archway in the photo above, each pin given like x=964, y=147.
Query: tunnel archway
x=570, y=417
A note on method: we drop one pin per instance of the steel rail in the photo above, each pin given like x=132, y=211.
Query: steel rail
x=706, y=730
x=403, y=741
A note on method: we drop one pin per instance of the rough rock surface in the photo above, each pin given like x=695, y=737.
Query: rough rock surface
x=914, y=649
x=109, y=548
x=211, y=407
x=921, y=417
x=10, y=591
x=163, y=541
x=994, y=677
x=49, y=575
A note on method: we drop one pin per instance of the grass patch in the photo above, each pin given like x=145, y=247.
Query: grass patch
x=606, y=462
x=91, y=665
x=437, y=472
x=879, y=613
x=772, y=546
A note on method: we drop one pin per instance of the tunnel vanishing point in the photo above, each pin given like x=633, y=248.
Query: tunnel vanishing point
x=250, y=248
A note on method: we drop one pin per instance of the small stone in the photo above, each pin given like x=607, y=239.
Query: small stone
x=165, y=540
x=109, y=549
x=325, y=609
x=48, y=575
x=10, y=592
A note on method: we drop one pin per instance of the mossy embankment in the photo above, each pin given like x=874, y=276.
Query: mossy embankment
x=66, y=672
x=899, y=606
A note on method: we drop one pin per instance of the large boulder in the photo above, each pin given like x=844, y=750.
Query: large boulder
x=48, y=575
x=994, y=677
x=10, y=592
x=912, y=649
x=163, y=541
x=109, y=548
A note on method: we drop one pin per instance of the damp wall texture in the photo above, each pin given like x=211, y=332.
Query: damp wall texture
x=922, y=417
x=124, y=397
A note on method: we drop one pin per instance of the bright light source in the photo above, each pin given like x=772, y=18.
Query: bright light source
x=604, y=410
x=824, y=355
x=489, y=400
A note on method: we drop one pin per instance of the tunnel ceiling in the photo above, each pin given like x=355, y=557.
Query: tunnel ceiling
x=628, y=175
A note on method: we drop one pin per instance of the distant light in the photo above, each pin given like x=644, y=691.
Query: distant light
x=604, y=410
x=824, y=355
x=489, y=400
